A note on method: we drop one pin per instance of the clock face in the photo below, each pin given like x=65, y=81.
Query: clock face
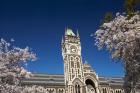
x=73, y=49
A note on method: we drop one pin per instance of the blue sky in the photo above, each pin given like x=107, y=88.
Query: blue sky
x=40, y=25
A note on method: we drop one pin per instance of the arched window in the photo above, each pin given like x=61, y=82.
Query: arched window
x=117, y=91
x=111, y=91
x=60, y=91
x=78, y=71
x=77, y=59
x=71, y=58
x=72, y=64
x=90, y=86
x=77, y=88
x=78, y=65
x=51, y=91
x=120, y=91
x=72, y=70
x=104, y=90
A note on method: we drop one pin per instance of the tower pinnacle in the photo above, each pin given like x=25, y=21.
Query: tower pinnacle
x=78, y=33
x=69, y=32
x=62, y=40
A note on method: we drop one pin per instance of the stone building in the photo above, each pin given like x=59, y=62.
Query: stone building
x=78, y=77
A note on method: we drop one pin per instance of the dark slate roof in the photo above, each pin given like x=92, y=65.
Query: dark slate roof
x=44, y=79
x=58, y=79
x=111, y=80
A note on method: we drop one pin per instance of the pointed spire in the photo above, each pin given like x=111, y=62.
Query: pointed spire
x=65, y=30
x=86, y=62
x=62, y=40
x=78, y=33
x=69, y=32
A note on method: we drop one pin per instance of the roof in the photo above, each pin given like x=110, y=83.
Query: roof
x=58, y=79
x=69, y=32
x=44, y=79
x=111, y=80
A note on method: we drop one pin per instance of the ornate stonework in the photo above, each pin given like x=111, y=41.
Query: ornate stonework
x=78, y=77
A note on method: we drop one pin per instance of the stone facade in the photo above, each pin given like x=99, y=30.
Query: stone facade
x=78, y=77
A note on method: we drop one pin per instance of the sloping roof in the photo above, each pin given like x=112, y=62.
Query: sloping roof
x=44, y=79
x=58, y=79
x=69, y=32
x=111, y=80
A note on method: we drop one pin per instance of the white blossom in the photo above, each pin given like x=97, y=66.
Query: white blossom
x=11, y=71
x=121, y=37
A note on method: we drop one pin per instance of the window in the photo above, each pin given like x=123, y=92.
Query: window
x=51, y=91
x=77, y=59
x=71, y=58
x=72, y=70
x=111, y=91
x=77, y=88
x=60, y=91
x=78, y=65
x=118, y=91
x=78, y=71
x=72, y=63
x=104, y=90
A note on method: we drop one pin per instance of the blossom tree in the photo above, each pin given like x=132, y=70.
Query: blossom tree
x=35, y=89
x=11, y=70
x=121, y=37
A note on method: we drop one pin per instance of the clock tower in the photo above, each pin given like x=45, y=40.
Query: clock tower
x=73, y=67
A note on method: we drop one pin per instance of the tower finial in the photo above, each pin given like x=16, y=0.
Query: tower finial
x=78, y=33
x=86, y=62
x=69, y=32
x=62, y=40
x=65, y=30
